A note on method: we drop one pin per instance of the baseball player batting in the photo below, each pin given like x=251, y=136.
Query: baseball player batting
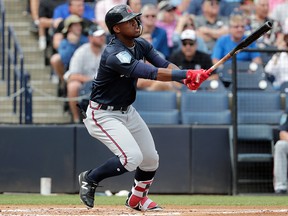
x=113, y=120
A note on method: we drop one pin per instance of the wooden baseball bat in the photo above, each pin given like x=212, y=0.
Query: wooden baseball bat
x=243, y=44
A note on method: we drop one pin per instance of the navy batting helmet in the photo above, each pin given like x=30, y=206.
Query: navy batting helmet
x=119, y=14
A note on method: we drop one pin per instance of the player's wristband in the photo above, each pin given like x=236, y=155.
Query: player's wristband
x=178, y=75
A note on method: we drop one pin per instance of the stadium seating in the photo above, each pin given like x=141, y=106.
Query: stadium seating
x=247, y=79
x=258, y=107
x=205, y=108
x=254, y=156
x=284, y=87
x=157, y=107
x=212, y=86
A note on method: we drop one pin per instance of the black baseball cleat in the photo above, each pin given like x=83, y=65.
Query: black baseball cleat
x=87, y=190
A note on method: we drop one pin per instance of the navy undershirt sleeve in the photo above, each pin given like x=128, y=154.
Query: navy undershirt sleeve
x=146, y=71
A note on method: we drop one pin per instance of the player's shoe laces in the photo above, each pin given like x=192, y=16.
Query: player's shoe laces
x=144, y=204
x=87, y=190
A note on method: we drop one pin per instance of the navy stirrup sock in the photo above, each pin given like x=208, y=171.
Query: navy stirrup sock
x=112, y=167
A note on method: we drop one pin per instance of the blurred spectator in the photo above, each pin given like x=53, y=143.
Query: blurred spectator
x=34, y=11
x=73, y=38
x=91, y=3
x=273, y=4
x=46, y=9
x=159, y=35
x=102, y=8
x=280, y=158
x=228, y=42
x=155, y=85
x=246, y=9
x=279, y=13
x=186, y=21
x=195, y=7
x=167, y=19
x=181, y=5
x=257, y=19
x=277, y=66
x=210, y=25
x=144, y=2
x=148, y=36
x=188, y=57
x=76, y=7
x=273, y=37
x=228, y=6
x=83, y=67
x=135, y=5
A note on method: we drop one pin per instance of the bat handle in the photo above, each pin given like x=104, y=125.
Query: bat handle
x=217, y=64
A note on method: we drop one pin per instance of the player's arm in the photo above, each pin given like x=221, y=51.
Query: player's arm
x=168, y=71
x=161, y=70
x=191, y=78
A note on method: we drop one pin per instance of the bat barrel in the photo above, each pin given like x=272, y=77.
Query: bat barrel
x=246, y=42
x=253, y=37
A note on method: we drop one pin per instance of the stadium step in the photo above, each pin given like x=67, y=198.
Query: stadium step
x=48, y=108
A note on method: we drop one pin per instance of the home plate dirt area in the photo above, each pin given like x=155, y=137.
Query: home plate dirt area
x=122, y=210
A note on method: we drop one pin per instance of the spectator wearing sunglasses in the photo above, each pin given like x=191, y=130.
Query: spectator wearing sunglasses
x=187, y=22
x=158, y=34
x=135, y=5
x=188, y=57
x=167, y=19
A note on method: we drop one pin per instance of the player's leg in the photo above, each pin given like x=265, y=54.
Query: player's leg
x=145, y=173
x=280, y=166
x=109, y=127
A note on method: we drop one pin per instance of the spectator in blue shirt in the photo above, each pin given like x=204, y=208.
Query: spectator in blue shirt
x=73, y=38
x=77, y=7
x=73, y=7
x=228, y=42
x=159, y=35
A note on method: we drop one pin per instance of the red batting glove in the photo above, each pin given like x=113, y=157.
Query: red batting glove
x=194, y=78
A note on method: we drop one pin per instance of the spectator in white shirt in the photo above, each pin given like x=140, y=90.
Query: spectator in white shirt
x=83, y=67
x=102, y=7
x=277, y=65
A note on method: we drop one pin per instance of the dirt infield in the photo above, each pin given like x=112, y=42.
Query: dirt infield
x=25, y=210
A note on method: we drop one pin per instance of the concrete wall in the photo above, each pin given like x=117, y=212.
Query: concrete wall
x=193, y=159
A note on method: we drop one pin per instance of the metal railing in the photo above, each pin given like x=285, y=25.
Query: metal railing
x=2, y=42
x=21, y=79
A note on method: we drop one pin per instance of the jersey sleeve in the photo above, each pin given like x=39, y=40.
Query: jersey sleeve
x=151, y=55
x=125, y=64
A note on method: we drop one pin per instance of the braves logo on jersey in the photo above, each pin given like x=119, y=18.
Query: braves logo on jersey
x=124, y=57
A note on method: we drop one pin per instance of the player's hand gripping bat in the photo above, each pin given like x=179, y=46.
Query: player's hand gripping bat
x=194, y=78
x=243, y=44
